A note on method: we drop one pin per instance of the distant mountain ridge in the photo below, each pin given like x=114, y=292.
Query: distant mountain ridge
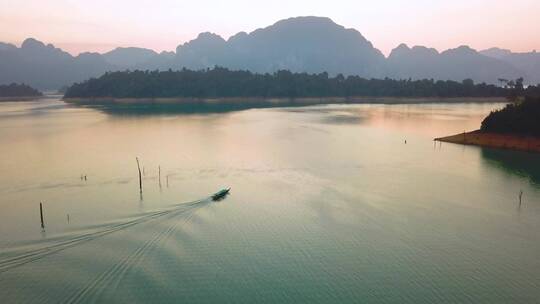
x=46, y=67
x=528, y=62
x=129, y=56
x=455, y=64
x=300, y=44
x=303, y=44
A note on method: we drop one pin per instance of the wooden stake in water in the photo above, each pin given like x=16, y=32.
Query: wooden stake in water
x=520, y=195
x=159, y=175
x=140, y=177
x=167, y=180
x=41, y=215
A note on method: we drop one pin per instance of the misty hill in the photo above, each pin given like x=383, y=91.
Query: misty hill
x=129, y=56
x=496, y=52
x=456, y=64
x=529, y=62
x=302, y=44
x=6, y=46
x=46, y=67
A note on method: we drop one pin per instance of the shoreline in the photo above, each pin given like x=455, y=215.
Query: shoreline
x=249, y=102
x=495, y=140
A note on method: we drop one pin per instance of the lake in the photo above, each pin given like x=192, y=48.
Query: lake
x=328, y=204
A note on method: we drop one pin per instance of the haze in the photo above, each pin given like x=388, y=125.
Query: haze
x=100, y=25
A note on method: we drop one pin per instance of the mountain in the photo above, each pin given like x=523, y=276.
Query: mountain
x=453, y=64
x=301, y=44
x=206, y=51
x=46, y=67
x=417, y=62
x=6, y=46
x=529, y=62
x=497, y=53
x=129, y=56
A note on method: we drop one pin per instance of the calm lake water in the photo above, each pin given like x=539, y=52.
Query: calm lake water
x=328, y=204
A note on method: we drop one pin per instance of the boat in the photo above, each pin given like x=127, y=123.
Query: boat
x=220, y=194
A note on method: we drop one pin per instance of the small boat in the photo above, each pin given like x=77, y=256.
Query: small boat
x=220, y=194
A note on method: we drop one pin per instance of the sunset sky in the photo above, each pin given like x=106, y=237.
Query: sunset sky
x=101, y=25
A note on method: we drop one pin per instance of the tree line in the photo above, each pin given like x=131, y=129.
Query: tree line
x=18, y=90
x=222, y=82
x=521, y=116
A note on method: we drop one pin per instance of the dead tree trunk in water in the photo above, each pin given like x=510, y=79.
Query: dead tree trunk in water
x=41, y=215
x=140, y=177
x=159, y=176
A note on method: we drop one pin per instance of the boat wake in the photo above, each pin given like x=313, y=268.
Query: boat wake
x=17, y=256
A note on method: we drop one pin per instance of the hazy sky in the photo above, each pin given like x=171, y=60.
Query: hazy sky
x=100, y=25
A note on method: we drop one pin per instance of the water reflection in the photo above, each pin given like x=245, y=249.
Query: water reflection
x=171, y=109
x=513, y=162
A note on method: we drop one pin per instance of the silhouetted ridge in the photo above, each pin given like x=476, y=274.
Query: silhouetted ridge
x=528, y=62
x=129, y=56
x=301, y=44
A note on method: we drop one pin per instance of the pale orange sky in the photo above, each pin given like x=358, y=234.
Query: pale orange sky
x=101, y=25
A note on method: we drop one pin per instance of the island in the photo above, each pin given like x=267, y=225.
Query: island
x=221, y=87
x=17, y=92
x=516, y=126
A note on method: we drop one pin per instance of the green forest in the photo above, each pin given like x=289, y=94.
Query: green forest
x=221, y=82
x=18, y=90
x=520, y=116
